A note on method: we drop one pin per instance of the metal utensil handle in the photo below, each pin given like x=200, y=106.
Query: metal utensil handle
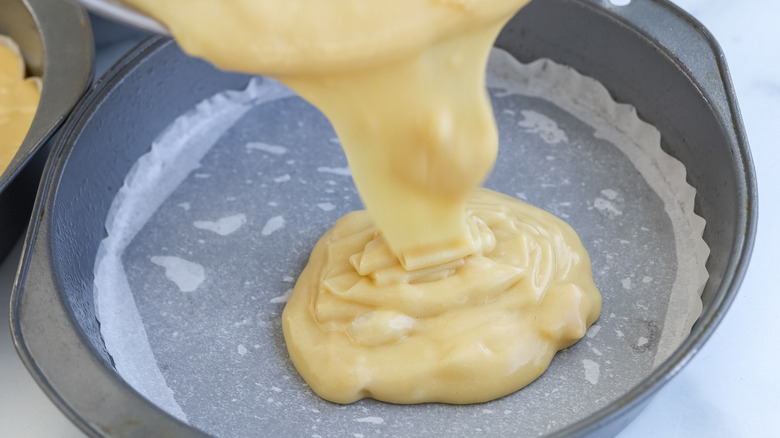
x=118, y=11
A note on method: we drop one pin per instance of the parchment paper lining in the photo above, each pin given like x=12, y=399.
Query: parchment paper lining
x=194, y=327
x=173, y=156
x=589, y=101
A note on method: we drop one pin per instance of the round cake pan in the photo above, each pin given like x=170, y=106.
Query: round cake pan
x=649, y=53
x=56, y=42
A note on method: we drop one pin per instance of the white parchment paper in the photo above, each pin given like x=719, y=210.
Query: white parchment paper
x=589, y=101
x=214, y=224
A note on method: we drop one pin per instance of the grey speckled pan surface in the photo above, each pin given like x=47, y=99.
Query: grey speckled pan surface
x=648, y=53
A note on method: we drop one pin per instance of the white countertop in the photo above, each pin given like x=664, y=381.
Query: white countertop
x=730, y=389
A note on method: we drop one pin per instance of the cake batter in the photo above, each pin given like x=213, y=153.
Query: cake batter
x=439, y=291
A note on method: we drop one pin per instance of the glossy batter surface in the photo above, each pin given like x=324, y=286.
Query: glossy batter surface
x=360, y=325
x=420, y=298
x=19, y=98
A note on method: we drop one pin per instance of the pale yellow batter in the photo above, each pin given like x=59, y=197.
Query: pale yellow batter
x=18, y=101
x=360, y=325
x=444, y=302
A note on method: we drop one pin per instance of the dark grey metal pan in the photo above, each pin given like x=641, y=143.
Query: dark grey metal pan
x=56, y=42
x=649, y=53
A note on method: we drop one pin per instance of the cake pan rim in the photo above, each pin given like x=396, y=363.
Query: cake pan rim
x=33, y=247
x=61, y=55
x=650, y=385
x=643, y=392
x=61, y=32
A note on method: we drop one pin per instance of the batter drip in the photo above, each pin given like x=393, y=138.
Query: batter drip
x=420, y=298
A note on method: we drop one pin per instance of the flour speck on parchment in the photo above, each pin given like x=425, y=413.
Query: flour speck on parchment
x=274, y=224
x=547, y=129
x=265, y=147
x=186, y=274
x=223, y=226
x=592, y=371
